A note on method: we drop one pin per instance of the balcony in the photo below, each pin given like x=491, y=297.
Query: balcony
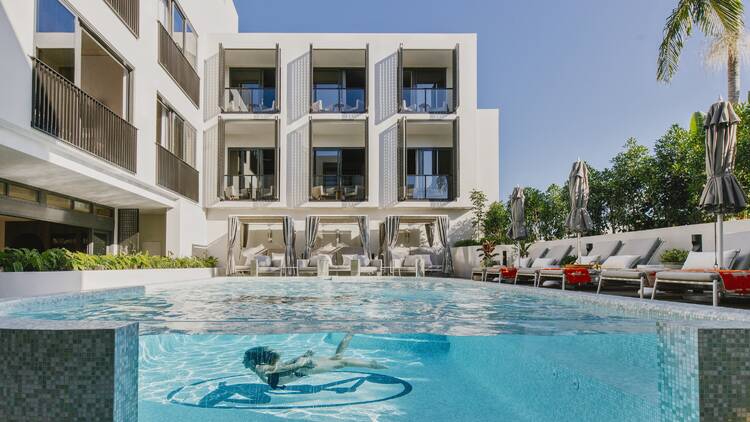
x=338, y=80
x=338, y=160
x=250, y=188
x=65, y=111
x=427, y=100
x=127, y=11
x=428, y=80
x=178, y=66
x=338, y=100
x=248, y=80
x=421, y=187
x=250, y=100
x=175, y=174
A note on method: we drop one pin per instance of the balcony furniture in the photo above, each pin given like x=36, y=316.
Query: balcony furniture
x=231, y=193
x=317, y=106
x=353, y=109
x=271, y=109
x=237, y=103
x=352, y=192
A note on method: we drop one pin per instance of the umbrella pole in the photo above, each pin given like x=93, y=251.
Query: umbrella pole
x=719, y=240
x=578, y=235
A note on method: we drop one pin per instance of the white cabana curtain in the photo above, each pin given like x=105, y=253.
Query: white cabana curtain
x=233, y=242
x=391, y=224
x=364, y=233
x=290, y=238
x=429, y=229
x=311, y=233
x=443, y=224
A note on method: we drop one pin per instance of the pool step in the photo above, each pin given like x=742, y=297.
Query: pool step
x=413, y=343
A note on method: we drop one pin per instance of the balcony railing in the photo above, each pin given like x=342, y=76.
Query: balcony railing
x=175, y=174
x=127, y=10
x=249, y=188
x=65, y=111
x=338, y=188
x=178, y=66
x=429, y=187
x=427, y=100
x=250, y=100
x=338, y=100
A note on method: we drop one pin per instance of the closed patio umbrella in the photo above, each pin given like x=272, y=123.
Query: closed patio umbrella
x=722, y=193
x=517, y=229
x=579, y=220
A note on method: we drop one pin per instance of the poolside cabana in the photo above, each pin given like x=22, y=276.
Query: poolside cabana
x=397, y=245
x=260, y=245
x=343, y=239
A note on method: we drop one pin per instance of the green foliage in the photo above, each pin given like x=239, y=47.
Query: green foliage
x=570, y=259
x=629, y=187
x=17, y=260
x=674, y=256
x=467, y=242
x=478, y=205
x=496, y=223
x=487, y=253
x=523, y=248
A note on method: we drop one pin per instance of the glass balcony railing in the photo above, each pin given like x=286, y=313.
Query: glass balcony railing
x=427, y=100
x=338, y=100
x=249, y=188
x=429, y=187
x=250, y=100
x=338, y=188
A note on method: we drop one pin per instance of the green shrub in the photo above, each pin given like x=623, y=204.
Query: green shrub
x=570, y=259
x=674, y=256
x=16, y=260
x=467, y=242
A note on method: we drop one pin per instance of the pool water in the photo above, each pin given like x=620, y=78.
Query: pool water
x=453, y=351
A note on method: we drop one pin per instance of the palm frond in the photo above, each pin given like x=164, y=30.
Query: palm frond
x=730, y=14
x=678, y=27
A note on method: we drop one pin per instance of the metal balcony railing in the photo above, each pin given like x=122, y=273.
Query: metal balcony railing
x=338, y=188
x=65, y=111
x=176, y=175
x=427, y=100
x=178, y=66
x=128, y=12
x=429, y=187
x=250, y=188
x=250, y=100
x=338, y=100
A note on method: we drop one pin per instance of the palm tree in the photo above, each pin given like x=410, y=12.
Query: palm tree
x=720, y=20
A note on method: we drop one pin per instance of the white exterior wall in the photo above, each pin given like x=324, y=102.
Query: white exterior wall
x=73, y=172
x=478, y=138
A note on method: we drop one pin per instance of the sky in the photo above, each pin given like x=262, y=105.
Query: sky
x=571, y=78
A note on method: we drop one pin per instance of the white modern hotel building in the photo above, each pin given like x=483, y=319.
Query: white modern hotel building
x=147, y=125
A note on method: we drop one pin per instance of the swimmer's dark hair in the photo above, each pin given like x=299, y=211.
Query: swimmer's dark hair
x=261, y=355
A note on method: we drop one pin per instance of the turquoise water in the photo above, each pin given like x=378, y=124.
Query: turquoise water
x=454, y=351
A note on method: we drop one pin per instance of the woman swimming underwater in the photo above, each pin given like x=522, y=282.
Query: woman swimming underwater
x=267, y=364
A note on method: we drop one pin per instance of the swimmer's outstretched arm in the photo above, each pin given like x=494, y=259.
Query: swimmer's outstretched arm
x=343, y=345
x=361, y=363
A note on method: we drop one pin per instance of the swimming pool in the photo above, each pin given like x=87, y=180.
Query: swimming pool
x=454, y=350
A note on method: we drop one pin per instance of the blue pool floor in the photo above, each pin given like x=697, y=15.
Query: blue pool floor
x=492, y=378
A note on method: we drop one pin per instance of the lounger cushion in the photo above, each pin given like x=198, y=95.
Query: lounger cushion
x=706, y=260
x=528, y=271
x=629, y=274
x=621, y=261
x=363, y=259
x=558, y=272
x=544, y=263
x=263, y=261
x=248, y=254
x=692, y=276
x=605, y=249
x=397, y=262
x=589, y=259
x=643, y=247
x=314, y=260
x=524, y=262
x=277, y=259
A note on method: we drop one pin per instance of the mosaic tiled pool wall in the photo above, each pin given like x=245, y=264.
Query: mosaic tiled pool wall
x=704, y=372
x=68, y=370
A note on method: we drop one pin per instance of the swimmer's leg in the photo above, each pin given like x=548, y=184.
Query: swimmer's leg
x=342, y=346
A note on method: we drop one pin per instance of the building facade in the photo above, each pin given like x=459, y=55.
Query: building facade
x=134, y=125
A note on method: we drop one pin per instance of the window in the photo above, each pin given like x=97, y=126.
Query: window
x=425, y=78
x=20, y=192
x=339, y=90
x=252, y=161
x=429, y=173
x=174, y=133
x=61, y=202
x=81, y=206
x=181, y=28
x=338, y=174
x=104, y=212
x=54, y=17
x=3, y=188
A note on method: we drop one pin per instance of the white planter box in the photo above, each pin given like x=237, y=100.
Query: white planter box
x=53, y=282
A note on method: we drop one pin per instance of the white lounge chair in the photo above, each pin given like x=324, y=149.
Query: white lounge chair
x=599, y=253
x=551, y=259
x=644, y=249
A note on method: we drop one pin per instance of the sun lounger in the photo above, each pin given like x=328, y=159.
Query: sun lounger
x=697, y=274
x=551, y=259
x=644, y=249
x=598, y=254
x=536, y=251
